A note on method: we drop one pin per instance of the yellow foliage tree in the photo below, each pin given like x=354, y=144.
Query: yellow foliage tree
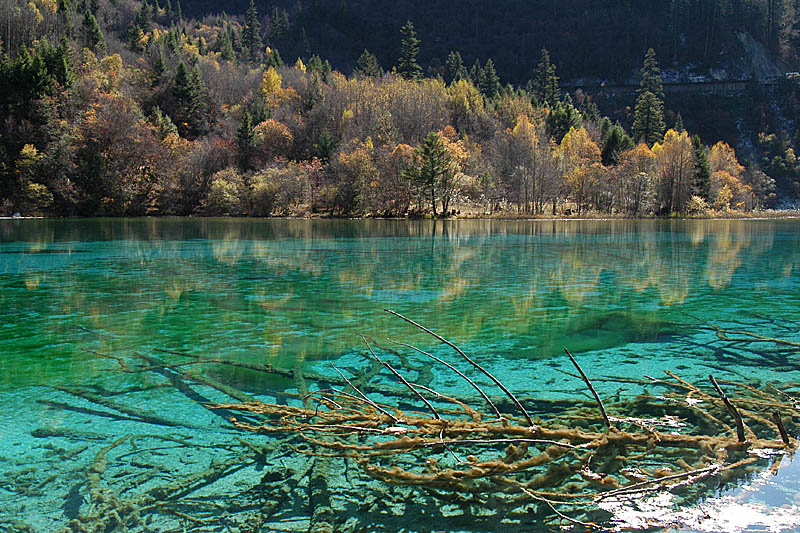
x=635, y=183
x=674, y=167
x=580, y=160
x=270, y=83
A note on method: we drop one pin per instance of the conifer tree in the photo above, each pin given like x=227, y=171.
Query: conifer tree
x=368, y=65
x=648, y=122
x=562, y=117
x=476, y=73
x=545, y=82
x=162, y=122
x=323, y=68
x=244, y=140
x=407, y=65
x=433, y=169
x=679, y=124
x=251, y=34
x=615, y=142
x=489, y=83
x=191, y=95
x=651, y=76
x=454, y=68
x=61, y=63
x=273, y=58
x=225, y=46
x=93, y=34
x=702, y=170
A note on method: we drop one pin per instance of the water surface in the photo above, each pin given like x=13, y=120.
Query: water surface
x=630, y=298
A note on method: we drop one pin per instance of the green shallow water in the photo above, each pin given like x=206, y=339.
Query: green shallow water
x=628, y=297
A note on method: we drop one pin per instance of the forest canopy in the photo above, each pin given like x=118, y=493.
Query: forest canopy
x=131, y=108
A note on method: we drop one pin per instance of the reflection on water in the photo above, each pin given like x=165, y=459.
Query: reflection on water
x=269, y=290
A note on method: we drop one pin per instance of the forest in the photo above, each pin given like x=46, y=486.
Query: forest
x=127, y=108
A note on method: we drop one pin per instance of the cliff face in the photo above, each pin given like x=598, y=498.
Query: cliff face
x=603, y=39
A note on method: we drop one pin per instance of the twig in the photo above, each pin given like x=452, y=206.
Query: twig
x=556, y=511
x=591, y=388
x=631, y=489
x=457, y=371
x=473, y=363
x=402, y=379
x=736, y=416
x=364, y=396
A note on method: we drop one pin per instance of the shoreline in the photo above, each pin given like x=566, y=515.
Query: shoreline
x=776, y=215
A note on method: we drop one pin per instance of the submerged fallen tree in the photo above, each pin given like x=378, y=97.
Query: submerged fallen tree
x=569, y=461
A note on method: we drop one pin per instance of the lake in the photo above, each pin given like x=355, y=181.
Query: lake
x=93, y=313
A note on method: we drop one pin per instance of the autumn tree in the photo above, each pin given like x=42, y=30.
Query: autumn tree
x=580, y=161
x=674, y=167
x=635, y=181
x=527, y=162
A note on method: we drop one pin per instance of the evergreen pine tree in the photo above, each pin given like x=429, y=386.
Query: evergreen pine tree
x=190, y=93
x=651, y=76
x=93, y=34
x=545, y=82
x=489, y=83
x=323, y=68
x=62, y=65
x=562, y=117
x=159, y=63
x=432, y=169
x=244, y=140
x=648, y=122
x=679, y=124
x=368, y=65
x=702, y=170
x=616, y=142
x=251, y=34
x=162, y=122
x=273, y=58
x=225, y=46
x=407, y=65
x=454, y=68
x=476, y=73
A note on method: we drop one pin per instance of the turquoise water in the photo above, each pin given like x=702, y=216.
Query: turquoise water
x=629, y=298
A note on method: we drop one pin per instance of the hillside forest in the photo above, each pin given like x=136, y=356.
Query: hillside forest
x=128, y=107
